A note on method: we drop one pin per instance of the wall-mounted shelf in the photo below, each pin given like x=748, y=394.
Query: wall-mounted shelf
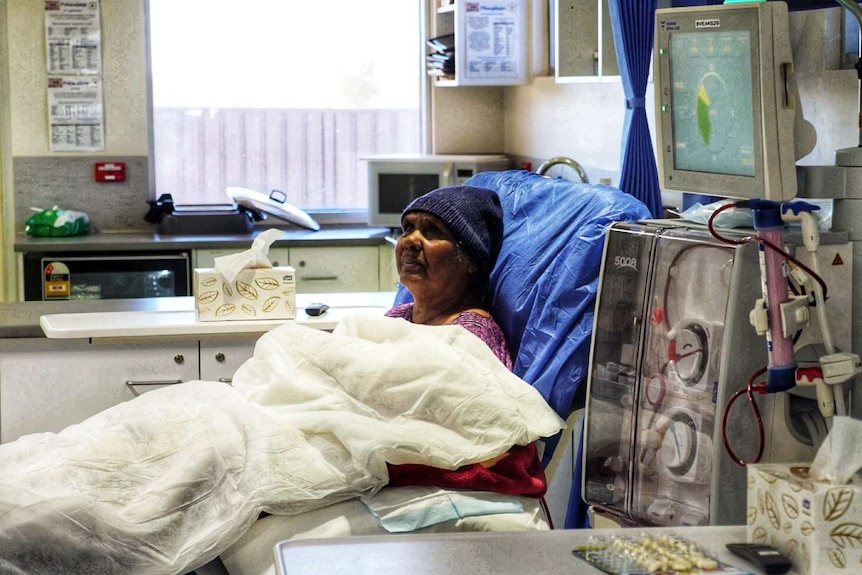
x=490, y=40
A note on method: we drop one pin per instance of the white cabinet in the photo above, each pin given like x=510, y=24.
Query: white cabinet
x=47, y=385
x=490, y=39
x=335, y=269
x=221, y=357
x=329, y=269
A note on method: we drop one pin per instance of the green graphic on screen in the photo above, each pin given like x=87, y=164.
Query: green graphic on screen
x=713, y=121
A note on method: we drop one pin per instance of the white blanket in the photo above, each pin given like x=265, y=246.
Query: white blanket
x=168, y=480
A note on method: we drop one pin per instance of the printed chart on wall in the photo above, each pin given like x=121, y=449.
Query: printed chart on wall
x=75, y=115
x=494, y=32
x=73, y=41
x=73, y=36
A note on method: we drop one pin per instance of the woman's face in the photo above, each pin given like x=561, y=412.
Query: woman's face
x=429, y=261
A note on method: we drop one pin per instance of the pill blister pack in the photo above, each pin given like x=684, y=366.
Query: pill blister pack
x=652, y=555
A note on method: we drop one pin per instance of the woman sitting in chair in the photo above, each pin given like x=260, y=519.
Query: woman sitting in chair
x=450, y=241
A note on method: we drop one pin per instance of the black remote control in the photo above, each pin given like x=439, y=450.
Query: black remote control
x=764, y=556
x=316, y=309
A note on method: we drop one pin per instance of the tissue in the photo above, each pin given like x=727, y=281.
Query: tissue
x=245, y=285
x=256, y=257
x=840, y=456
x=812, y=513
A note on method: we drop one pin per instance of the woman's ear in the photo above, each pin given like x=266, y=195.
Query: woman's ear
x=465, y=258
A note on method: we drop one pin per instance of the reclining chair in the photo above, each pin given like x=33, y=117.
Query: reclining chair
x=543, y=293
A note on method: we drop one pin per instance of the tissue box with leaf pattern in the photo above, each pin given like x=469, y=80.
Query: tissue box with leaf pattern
x=816, y=524
x=255, y=294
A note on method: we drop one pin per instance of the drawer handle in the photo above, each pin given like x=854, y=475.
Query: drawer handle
x=318, y=278
x=132, y=385
x=228, y=380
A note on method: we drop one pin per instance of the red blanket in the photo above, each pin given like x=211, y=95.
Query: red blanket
x=518, y=472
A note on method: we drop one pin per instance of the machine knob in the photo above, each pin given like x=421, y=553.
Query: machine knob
x=679, y=448
x=688, y=352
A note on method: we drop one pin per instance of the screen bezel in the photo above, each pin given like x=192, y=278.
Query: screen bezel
x=772, y=111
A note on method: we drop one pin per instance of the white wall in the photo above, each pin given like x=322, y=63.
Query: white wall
x=124, y=77
x=583, y=121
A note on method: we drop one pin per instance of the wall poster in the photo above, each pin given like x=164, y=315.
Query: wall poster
x=73, y=36
x=495, y=35
x=73, y=42
x=75, y=115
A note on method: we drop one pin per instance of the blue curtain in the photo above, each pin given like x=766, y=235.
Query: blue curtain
x=633, y=35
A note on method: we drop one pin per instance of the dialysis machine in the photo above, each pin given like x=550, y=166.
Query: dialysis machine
x=668, y=419
x=671, y=344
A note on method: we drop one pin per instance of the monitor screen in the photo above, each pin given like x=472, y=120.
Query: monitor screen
x=725, y=116
x=713, y=108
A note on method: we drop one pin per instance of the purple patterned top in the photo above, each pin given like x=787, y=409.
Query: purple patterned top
x=483, y=327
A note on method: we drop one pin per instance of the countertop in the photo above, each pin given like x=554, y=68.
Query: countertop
x=151, y=241
x=513, y=553
x=182, y=320
x=73, y=319
x=21, y=319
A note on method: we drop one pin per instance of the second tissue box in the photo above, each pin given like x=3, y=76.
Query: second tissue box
x=813, y=515
x=245, y=285
x=264, y=293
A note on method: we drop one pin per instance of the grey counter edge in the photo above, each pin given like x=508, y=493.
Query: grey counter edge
x=145, y=241
x=21, y=319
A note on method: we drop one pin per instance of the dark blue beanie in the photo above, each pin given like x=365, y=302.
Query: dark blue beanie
x=473, y=215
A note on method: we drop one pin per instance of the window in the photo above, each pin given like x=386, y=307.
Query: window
x=282, y=94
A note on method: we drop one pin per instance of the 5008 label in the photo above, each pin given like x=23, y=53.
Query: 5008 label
x=626, y=262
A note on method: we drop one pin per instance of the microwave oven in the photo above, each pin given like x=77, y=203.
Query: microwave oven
x=396, y=180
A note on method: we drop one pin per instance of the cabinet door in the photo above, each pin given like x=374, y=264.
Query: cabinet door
x=205, y=258
x=585, y=42
x=335, y=269
x=221, y=357
x=47, y=385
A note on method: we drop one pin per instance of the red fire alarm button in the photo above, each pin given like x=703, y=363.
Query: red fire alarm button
x=110, y=171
